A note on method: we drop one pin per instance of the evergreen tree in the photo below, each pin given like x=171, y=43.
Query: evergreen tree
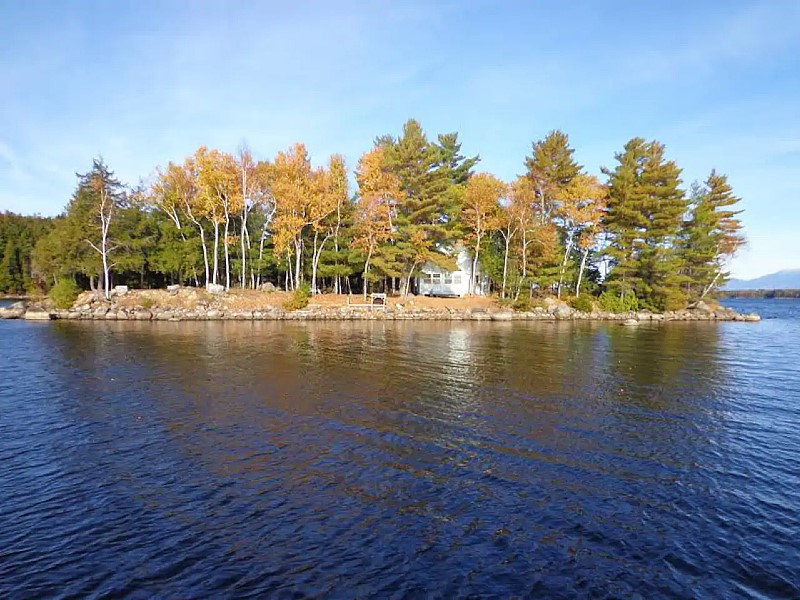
x=424, y=215
x=550, y=167
x=644, y=218
x=712, y=235
x=458, y=167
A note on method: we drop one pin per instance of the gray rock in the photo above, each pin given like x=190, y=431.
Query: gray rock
x=37, y=315
x=119, y=290
x=215, y=288
x=701, y=306
x=13, y=311
x=630, y=322
x=562, y=312
x=502, y=316
x=173, y=289
x=268, y=287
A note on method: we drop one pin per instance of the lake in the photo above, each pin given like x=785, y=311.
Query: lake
x=357, y=459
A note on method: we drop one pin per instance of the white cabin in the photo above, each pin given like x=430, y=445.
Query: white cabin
x=436, y=281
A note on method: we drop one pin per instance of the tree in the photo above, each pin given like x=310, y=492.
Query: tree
x=254, y=191
x=217, y=182
x=644, y=219
x=100, y=193
x=379, y=193
x=423, y=218
x=292, y=188
x=578, y=207
x=550, y=166
x=481, y=205
x=712, y=235
x=176, y=193
x=329, y=193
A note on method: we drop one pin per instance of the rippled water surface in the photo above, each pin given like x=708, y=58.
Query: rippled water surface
x=180, y=460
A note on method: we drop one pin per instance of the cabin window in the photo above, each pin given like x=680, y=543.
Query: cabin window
x=436, y=278
x=426, y=278
x=448, y=279
x=457, y=278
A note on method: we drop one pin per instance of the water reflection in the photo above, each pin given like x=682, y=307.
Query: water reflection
x=366, y=457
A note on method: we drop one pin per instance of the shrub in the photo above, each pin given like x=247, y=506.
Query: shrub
x=582, y=303
x=525, y=304
x=610, y=302
x=148, y=303
x=299, y=298
x=64, y=293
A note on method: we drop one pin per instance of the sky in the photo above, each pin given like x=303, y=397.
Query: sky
x=145, y=82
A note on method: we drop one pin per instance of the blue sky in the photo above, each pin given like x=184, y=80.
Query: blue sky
x=146, y=82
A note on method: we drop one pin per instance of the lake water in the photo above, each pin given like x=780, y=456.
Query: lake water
x=360, y=459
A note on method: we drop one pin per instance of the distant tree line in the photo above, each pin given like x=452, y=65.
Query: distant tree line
x=230, y=219
x=758, y=293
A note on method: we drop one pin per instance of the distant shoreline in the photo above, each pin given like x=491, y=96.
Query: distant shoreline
x=788, y=294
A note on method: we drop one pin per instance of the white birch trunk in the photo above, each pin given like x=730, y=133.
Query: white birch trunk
x=580, y=272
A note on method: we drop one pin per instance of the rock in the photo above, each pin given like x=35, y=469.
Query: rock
x=173, y=289
x=34, y=314
x=562, y=312
x=13, y=311
x=268, y=287
x=630, y=322
x=119, y=290
x=701, y=306
x=753, y=318
x=142, y=315
x=215, y=288
x=502, y=316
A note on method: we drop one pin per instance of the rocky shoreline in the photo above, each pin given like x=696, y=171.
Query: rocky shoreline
x=109, y=311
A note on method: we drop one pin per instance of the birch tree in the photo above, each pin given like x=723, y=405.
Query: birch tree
x=481, y=205
x=106, y=193
x=378, y=191
x=576, y=208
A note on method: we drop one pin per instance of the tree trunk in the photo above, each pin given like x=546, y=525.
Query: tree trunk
x=244, y=250
x=298, y=246
x=473, y=283
x=505, y=267
x=711, y=285
x=227, y=254
x=366, y=272
x=205, y=252
x=216, y=252
x=580, y=272
x=314, y=259
x=564, y=265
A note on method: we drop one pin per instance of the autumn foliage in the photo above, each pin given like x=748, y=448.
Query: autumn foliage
x=229, y=219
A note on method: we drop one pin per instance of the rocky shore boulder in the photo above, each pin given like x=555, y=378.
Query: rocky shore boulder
x=14, y=311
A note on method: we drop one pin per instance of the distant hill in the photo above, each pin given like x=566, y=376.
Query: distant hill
x=782, y=280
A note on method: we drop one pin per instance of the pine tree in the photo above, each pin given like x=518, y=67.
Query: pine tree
x=423, y=216
x=644, y=218
x=712, y=235
x=459, y=167
x=550, y=166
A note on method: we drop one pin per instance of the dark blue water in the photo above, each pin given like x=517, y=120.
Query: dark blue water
x=179, y=460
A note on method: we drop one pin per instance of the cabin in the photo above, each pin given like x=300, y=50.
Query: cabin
x=435, y=281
